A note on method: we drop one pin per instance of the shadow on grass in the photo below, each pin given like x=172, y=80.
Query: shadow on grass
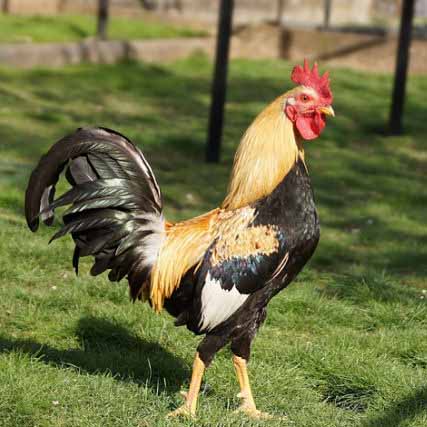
x=108, y=348
x=402, y=411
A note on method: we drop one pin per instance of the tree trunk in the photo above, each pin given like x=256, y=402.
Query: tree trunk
x=103, y=14
x=402, y=59
x=220, y=81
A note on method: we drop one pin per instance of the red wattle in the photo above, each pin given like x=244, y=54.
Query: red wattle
x=310, y=127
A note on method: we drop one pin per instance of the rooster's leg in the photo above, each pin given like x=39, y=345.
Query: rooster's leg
x=190, y=405
x=245, y=394
x=248, y=403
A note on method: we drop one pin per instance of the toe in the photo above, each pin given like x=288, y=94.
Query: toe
x=252, y=412
x=182, y=411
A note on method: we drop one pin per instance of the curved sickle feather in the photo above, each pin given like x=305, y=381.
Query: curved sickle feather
x=127, y=160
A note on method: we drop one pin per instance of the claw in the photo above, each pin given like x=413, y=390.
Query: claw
x=248, y=407
x=182, y=411
x=254, y=413
x=188, y=409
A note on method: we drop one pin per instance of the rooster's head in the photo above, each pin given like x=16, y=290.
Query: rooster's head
x=309, y=103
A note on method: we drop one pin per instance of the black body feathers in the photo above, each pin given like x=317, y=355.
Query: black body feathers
x=290, y=211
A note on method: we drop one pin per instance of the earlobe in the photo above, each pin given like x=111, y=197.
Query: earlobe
x=291, y=112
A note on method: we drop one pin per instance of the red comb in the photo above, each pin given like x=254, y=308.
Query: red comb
x=306, y=77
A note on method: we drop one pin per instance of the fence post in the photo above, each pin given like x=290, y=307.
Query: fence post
x=103, y=6
x=402, y=59
x=327, y=14
x=219, y=85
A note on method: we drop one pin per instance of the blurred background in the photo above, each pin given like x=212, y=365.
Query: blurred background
x=360, y=34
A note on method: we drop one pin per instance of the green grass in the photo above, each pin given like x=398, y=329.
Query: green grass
x=345, y=345
x=64, y=28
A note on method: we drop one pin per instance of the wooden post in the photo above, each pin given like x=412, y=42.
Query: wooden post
x=103, y=6
x=219, y=84
x=402, y=59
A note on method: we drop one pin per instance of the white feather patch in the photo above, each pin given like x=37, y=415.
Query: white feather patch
x=218, y=304
x=151, y=244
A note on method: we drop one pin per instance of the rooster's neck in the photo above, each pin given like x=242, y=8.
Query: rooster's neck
x=268, y=151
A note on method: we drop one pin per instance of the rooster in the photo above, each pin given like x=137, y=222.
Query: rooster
x=214, y=273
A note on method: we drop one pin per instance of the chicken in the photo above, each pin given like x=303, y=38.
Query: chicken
x=214, y=273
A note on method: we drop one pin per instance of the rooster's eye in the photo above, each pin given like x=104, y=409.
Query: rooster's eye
x=305, y=98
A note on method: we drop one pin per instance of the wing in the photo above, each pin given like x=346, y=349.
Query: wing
x=238, y=264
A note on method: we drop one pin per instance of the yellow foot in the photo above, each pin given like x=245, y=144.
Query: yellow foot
x=182, y=411
x=253, y=412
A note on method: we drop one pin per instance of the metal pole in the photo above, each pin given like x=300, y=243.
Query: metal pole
x=6, y=6
x=402, y=59
x=280, y=8
x=216, y=117
x=327, y=15
x=102, y=19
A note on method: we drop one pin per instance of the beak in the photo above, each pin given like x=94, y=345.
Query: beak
x=328, y=111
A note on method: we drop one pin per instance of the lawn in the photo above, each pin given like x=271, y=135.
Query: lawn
x=64, y=28
x=344, y=346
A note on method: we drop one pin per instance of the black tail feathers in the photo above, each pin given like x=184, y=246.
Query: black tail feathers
x=115, y=211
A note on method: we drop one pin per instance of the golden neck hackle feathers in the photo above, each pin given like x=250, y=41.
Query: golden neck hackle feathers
x=268, y=151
